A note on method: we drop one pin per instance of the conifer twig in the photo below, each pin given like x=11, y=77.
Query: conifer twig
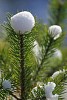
x=22, y=76
x=42, y=62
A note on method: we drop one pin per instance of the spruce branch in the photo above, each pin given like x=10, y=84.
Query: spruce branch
x=20, y=46
x=44, y=58
x=22, y=77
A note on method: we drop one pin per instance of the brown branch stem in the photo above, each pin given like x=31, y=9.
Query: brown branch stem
x=14, y=95
x=22, y=76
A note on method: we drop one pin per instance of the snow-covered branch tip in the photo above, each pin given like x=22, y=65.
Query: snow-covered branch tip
x=49, y=88
x=55, y=31
x=22, y=22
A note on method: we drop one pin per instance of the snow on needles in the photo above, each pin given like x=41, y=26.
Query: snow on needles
x=22, y=22
x=55, y=31
x=55, y=74
x=57, y=54
x=6, y=84
x=37, y=52
x=49, y=88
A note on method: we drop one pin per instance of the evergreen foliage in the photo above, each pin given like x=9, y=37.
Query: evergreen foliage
x=29, y=81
